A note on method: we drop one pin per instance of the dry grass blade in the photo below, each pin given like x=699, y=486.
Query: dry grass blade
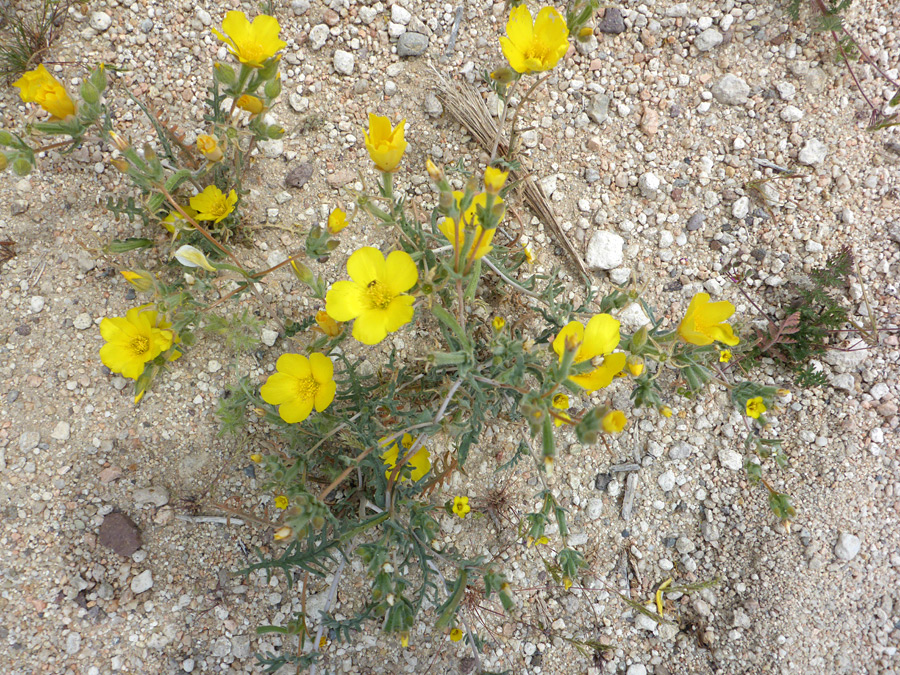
x=467, y=107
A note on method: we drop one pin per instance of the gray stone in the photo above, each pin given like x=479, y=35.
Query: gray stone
x=786, y=90
x=157, y=496
x=142, y=582
x=318, y=36
x=433, y=107
x=299, y=7
x=269, y=337
x=814, y=152
x=680, y=450
x=847, y=546
x=100, y=21
x=400, y=15
x=791, y=113
x=204, y=16
x=844, y=381
x=648, y=184
x=741, y=208
x=605, y=251
x=73, y=643
x=240, y=646
x=730, y=90
x=684, y=545
x=849, y=359
x=61, y=431
x=83, y=321
x=598, y=109
x=708, y=39
x=273, y=148
x=412, y=44
x=367, y=14
x=731, y=459
x=633, y=317
x=678, y=11
x=343, y=62
x=636, y=669
x=644, y=622
x=695, y=222
x=29, y=440
x=613, y=22
x=37, y=303
x=666, y=481
x=594, y=508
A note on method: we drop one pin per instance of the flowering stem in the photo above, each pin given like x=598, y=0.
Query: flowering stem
x=512, y=130
x=496, y=142
x=388, y=187
x=239, y=87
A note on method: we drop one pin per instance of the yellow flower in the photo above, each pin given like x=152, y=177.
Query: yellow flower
x=190, y=256
x=420, y=463
x=635, y=365
x=755, y=407
x=702, y=324
x=567, y=583
x=327, y=325
x=385, y=144
x=133, y=340
x=404, y=638
x=337, y=221
x=257, y=458
x=498, y=323
x=252, y=104
x=252, y=43
x=299, y=385
x=175, y=222
x=281, y=502
x=456, y=635
x=724, y=355
x=599, y=338
x=614, y=422
x=376, y=295
x=140, y=281
x=39, y=86
x=212, y=204
x=529, y=256
x=481, y=238
x=534, y=47
x=561, y=402
x=461, y=506
x=494, y=180
x=665, y=411
x=209, y=147
x=434, y=171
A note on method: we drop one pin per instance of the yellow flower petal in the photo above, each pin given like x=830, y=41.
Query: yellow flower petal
x=252, y=43
x=346, y=300
x=403, y=272
x=39, y=86
x=534, y=46
x=385, y=145
x=366, y=265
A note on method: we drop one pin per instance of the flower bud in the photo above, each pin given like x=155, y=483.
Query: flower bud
x=149, y=153
x=446, y=200
x=283, y=533
x=337, y=221
x=639, y=339
x=190, y=256
x=504, y=75
x=120, y=164
x=98, y=77
x=21, y=166
x=120, y=143
x=224, y=74
x=435, y=172
x=302, y=272
x=275, y=132
x=269, y=69
x=89, y=93
x=252, y=104
x=209, y=147
x=140, y=281
x=273, y=88
x=6, y=138
x=494, y=180
x=3, y=162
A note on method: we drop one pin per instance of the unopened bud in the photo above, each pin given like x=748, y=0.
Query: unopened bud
x=302, y=272
x=273, y=88
x=21, y=166
x=89, y=93
x=120, y=143
x=224, y=74
x=120, y=164
x=639, y=339
x=149, y=153
x=435, y=172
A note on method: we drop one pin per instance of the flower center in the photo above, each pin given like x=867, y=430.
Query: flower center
x=252, y=52
x=379, y=295
x=307, y=388
x=219, y=207
x=140, y=345
x=538, y=51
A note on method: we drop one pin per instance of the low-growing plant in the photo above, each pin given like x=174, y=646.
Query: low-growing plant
x=26, y=35
x=363, y=444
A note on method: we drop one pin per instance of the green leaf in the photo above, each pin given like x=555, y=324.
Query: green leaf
x=130, y=244
x=448, y=609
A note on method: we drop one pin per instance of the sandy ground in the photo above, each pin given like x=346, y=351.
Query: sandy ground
x=74, y=448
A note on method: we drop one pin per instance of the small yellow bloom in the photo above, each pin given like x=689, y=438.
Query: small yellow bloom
x=327, y=325
x=39, y=86
x=385, y=144
x=567, y=583
x=599, y=338
x=209, y=147
x=376, y=297
x=783, y=392
x=533, y=47
x=461, y=506
x=494, y=180
x=498, y=323
x=281, y=502
x=529, y=256
x=456, y=634
x=337, y=221
x=141, y=282
x=614, y=422
x=175, y=222
x=724, y=355
x=561, y=402
x=212, y=204
x=257, y=458
x=481, y=238
x=323, y=642
x=434, y=171
x=299, y=385
x=635, y=365
x=252, y=43
x=703, y=322
x=404, y=638
x=665, y=411
x=755, y=407
x=252, y=104
x=283, y=533
x=133, y=340
x=420, y=462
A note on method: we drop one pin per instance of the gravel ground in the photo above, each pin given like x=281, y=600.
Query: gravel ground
x=644, y=140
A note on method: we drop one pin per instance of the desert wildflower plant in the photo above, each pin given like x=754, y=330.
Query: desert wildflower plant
x=369, y=437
